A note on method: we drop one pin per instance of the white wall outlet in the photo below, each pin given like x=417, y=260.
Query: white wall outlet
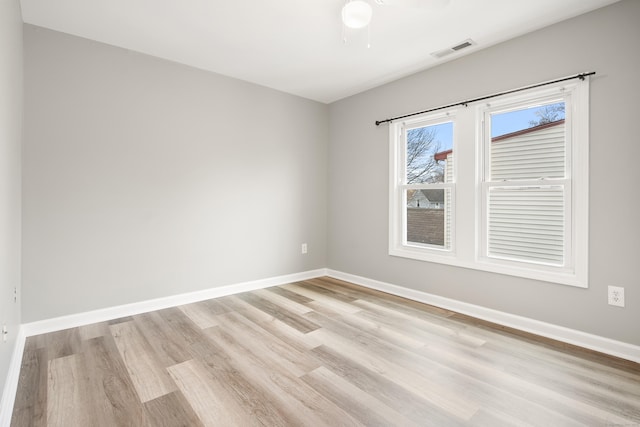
x=15, y=294
x=304, y=248
x=616, y=296
x=5, y=332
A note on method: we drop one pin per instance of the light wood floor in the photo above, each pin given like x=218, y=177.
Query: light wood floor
x=316, y=353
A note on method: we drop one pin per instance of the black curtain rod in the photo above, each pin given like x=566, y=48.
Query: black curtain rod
x=482, y=98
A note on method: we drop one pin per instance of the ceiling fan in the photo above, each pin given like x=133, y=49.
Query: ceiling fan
x=357, y=13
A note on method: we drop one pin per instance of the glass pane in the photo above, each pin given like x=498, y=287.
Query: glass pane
x=527, y=224
x=429, y=217
x=427, y=150
x=528, y=143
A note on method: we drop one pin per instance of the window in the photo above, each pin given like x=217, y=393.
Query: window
x=526, y=185
x=517, y=202
x=424, y=186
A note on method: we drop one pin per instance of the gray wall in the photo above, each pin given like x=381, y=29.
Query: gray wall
x=605, y=41
x=144, y=178
x=10, y=136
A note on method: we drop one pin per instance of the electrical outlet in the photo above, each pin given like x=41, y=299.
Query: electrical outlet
x=5, y=332
x=304, y=248
x=15, y=294
x=616, y=296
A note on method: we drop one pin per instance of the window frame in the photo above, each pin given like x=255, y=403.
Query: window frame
x=575, y=183
x=398, y=245
x=467, y=195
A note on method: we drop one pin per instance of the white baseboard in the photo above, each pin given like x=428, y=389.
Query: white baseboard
x=105, y=314
x=560, y=333
x=11, y=383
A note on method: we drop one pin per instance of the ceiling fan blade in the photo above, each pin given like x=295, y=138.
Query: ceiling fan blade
x=415, y=4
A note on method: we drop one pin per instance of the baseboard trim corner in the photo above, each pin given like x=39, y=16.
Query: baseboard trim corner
x=11, y=383
x=560, y=333
x=110, y=313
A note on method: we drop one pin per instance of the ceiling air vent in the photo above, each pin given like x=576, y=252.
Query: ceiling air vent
x=450, y=50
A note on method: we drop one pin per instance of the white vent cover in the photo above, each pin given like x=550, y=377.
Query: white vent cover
x=448, y=51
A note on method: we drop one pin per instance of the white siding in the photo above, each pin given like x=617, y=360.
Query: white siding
x=448, y=177
x=538, y=154
x=527, y=222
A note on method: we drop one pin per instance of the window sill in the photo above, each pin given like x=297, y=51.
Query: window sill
x=449, y=258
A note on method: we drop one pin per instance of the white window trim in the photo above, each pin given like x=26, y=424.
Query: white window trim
x=465, y=249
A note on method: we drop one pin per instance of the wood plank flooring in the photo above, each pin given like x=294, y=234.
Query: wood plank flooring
x=316, y=353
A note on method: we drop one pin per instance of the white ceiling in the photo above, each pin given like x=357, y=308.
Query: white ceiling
x=296, y=45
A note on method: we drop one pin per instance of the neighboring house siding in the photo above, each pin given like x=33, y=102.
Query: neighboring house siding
x=528, y=223
x=542, y=152
x=448, y=177
x=426, y=199
x=418, y=200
